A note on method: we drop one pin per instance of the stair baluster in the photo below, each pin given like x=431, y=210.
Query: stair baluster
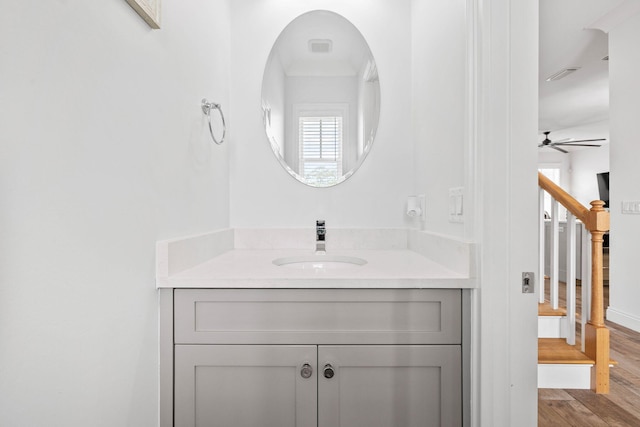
x=571, y=279
x=554, y=259
x=541, y=237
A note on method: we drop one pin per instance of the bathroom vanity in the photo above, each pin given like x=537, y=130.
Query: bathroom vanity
x=249, y=342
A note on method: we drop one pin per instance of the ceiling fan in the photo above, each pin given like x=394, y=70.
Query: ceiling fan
x=555, y=144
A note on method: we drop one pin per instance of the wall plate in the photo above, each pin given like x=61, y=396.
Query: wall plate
x=456, y=204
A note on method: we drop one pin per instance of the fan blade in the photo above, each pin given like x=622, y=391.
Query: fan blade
x=541, y=145
x=582, y=140
x=559, y=149
x=578, y=145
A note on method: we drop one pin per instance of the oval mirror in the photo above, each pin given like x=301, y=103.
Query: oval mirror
x=320, y=98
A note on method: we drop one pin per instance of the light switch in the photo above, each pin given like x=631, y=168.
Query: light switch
x=456, y=204
x=631, y=207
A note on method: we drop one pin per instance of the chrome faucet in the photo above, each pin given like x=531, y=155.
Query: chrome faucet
x=321, y=232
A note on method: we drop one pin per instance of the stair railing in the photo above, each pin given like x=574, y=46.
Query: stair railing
x=596, y=222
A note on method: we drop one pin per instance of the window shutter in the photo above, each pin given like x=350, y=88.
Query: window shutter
x=321, y=149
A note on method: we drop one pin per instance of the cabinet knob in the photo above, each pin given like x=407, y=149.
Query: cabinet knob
x=328, y=371
x=306, y=371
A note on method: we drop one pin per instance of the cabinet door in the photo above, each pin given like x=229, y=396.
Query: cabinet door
x=245, y=386
x=390, y=386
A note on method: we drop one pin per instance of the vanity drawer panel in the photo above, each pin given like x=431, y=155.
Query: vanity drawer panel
x=317, y=316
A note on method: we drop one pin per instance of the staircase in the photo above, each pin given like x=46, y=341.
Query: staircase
x=561, y=365
x=561, y=362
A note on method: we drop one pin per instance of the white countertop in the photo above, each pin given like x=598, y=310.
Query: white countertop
x=254, y=268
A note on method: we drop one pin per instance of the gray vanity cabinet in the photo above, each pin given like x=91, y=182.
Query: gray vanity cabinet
x=317, y=357
x=244, y=386
x=390, y=386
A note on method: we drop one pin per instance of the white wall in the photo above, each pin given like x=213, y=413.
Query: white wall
x=103, y=151
x=439, y=106
x=263, y=193
x=585, y=165
x=625, y=133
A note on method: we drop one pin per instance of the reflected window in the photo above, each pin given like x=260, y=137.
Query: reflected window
x=320, y=148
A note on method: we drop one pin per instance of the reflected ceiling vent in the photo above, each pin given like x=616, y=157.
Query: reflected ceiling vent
x=320, y=45
x=562, y=73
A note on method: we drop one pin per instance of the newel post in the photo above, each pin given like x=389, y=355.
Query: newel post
x=596, y=333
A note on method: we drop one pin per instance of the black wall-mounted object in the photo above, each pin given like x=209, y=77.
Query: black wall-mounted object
x=603, y=187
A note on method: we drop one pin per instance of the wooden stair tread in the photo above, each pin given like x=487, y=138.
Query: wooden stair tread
x=546, y=310
x=557, y=351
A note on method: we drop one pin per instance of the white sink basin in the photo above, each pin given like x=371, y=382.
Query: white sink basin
x=320, y=262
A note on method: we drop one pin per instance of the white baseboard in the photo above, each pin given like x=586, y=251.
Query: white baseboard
x=564, y=376
x=624, y=319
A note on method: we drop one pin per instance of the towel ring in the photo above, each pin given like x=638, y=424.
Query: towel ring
x=206, y=109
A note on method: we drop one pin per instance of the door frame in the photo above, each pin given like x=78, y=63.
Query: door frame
x=502, y=195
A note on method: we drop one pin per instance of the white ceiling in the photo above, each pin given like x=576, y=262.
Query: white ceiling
x=576, y=106
x=348, y=56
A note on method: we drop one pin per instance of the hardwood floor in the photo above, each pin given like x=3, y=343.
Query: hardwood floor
x=621, y=407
